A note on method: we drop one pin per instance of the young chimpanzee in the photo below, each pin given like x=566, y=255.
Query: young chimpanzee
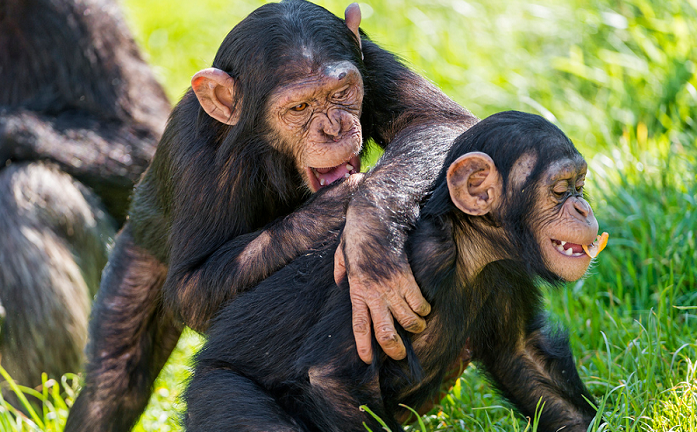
x=279, y=115
x=506, y=210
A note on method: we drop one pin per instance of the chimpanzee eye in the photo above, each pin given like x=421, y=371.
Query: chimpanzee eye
x=341, y=94
x=579, y=186
x=560, y=188
x=300, y=107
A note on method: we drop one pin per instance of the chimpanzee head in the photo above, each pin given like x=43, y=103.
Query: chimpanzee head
x=290, y=75
x=513, y=184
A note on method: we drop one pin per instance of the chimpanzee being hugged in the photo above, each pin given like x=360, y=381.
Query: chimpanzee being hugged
x=279, y=115
x=507, y=209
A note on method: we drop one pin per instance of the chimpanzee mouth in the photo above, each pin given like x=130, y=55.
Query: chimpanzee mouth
x=568, y=249
x=321, y=177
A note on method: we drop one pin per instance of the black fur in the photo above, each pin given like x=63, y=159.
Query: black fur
x=299, y=355
x=184, y=252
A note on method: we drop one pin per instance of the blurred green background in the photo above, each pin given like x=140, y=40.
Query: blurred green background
x=620, y=78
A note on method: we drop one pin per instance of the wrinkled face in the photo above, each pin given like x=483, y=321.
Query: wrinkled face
x=317, y=119
x=564, y=220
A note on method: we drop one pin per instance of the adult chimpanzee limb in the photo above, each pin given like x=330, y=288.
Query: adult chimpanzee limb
x=76, y=92
x=78, y=107
x=279, y=115
x=506, y=210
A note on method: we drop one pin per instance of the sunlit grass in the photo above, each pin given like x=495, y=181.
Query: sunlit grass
x=619, y=76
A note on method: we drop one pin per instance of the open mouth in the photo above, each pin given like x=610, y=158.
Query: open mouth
x=568, y=249
x=577, y=250
x=321, y=177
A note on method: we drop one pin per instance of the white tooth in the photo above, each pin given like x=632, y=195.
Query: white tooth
x=568, y=252
x=349, y=166
x=347, y=175
x=563, y=242
x=316, y=173
x=560, y=248
x=322, y=182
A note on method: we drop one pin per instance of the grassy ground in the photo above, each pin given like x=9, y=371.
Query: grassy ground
x=620, y=77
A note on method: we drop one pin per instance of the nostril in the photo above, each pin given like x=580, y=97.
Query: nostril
x=582, y=207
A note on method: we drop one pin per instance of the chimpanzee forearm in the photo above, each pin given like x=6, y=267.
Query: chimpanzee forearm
x=242, y=262
x=109, y=157
x=388, y=200
x=540, y=369
x=400, y=101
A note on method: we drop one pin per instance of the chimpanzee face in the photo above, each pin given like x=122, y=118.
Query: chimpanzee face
x=563, y=219
x=317, y=119
x=560, y=220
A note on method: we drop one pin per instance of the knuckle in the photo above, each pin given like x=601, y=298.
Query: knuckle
x=361, y=326
x=363, y=351
x=387, y=338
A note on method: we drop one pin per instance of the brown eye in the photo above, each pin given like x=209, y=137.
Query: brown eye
x=300, y=107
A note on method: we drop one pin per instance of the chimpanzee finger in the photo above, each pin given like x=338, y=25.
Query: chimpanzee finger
x=406, y=317
x=339, y=264
x=385, y=332
x=361, y=328
x=412, y=294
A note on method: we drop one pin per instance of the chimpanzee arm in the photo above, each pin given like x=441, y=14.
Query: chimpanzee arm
x=539, y=368
x=386, y=206
x=107, y=156
x=245, y=260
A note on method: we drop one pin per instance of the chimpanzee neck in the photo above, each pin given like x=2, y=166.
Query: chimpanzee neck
x=457, y=302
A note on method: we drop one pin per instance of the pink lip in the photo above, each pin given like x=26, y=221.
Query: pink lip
x=321, y=177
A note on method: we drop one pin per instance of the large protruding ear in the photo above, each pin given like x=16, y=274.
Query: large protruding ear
x=352, y=16
x=474, y=183
x=215, y=90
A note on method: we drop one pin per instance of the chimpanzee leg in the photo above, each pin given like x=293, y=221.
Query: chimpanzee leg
x=53, y=234
x=222, y=399
x=336, y=399
x=540, y=366
x=130, y=339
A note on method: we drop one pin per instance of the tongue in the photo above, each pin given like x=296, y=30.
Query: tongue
x=327, y=176
x=574, y=247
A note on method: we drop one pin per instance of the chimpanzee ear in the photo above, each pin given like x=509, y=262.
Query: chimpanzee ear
x=474, y=183
x=215, y=90
x=352, y=16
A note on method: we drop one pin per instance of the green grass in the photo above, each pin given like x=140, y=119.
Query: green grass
x=619, y=77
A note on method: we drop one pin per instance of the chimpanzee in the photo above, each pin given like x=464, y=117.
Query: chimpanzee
x=506, y=211
x=79, y=109
x=282, y=112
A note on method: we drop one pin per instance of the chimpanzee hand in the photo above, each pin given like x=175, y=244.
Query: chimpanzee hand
x=382, y=286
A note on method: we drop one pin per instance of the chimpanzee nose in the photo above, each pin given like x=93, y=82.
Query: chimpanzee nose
x=332, y=125
x=582, y=207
